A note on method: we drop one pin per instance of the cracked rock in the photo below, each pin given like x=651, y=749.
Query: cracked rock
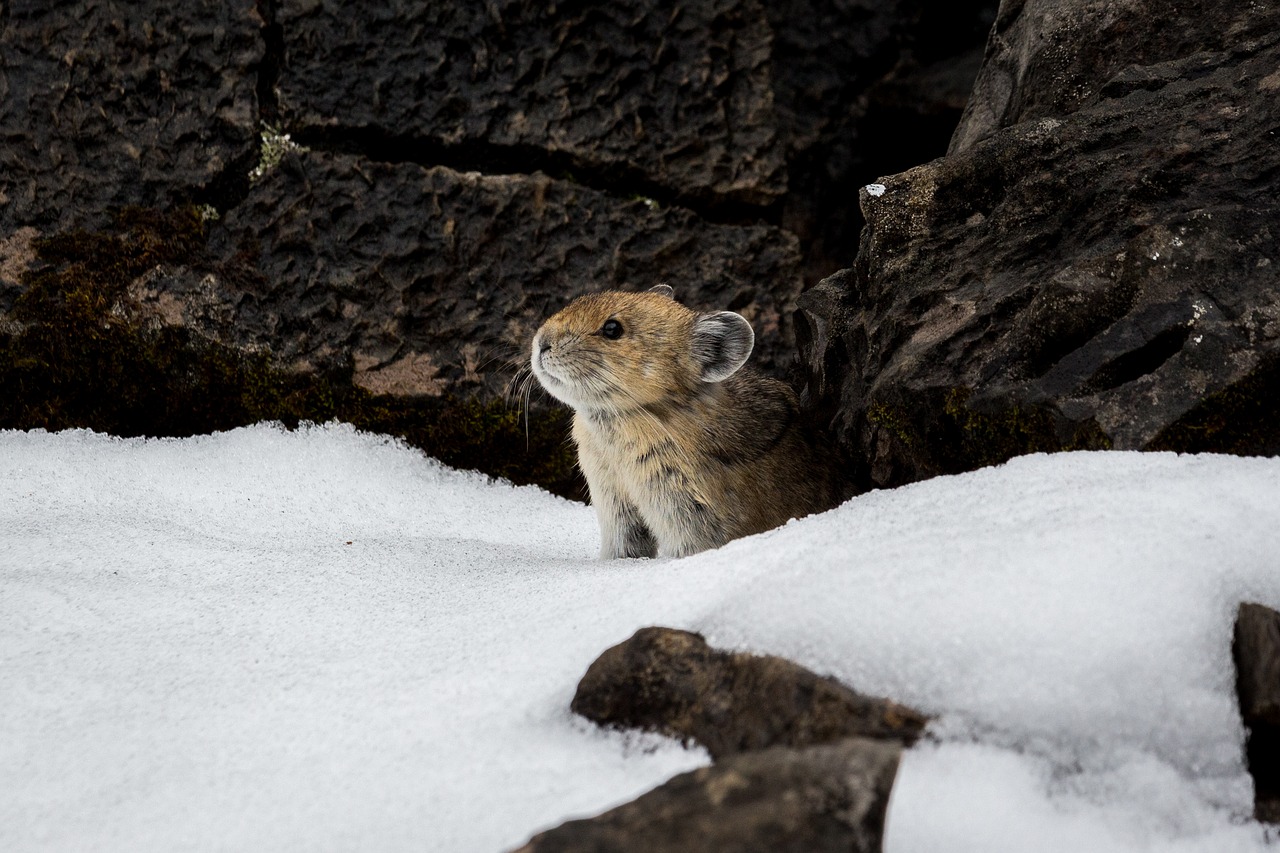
x=635, y=92
x=432, y=281
x=1104, y=277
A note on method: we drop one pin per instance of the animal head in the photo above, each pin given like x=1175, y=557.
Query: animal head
x=615, y=351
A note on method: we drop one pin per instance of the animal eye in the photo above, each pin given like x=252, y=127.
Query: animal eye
x=611, y=329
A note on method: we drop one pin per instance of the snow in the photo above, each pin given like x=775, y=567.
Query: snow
x=875, y=190
x=321, y=639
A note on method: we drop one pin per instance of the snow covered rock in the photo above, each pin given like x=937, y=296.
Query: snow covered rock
x=822, y=798
x=672, y=682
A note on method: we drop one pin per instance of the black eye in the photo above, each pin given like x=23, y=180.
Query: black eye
x=611, y=329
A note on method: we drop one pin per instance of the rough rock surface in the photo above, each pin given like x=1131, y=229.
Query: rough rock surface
x=672, y=682
x=676, y=96
x=1257, y=656
x=433, y=281
x=821, y=798
x=863, y=88
x=103, y=106
x=1106, y=277
x=736, y=108
x=375, y=278
x=1048, y=58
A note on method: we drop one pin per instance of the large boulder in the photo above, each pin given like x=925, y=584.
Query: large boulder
x=822, y=798
x=172, y=262
x=1100, y=276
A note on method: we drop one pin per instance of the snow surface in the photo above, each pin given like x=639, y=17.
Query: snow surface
x=322, y=640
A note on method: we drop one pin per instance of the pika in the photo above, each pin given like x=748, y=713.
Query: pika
x=683, y=448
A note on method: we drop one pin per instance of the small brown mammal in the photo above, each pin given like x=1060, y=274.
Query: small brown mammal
x=683, y=449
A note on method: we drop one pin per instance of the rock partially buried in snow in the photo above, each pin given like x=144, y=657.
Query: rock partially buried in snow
x=822, y=798
x=672, y=682
x=1257, y=656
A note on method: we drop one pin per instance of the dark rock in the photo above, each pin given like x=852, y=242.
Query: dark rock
x=377, y=278
x=432, y=281
x=1047, y=58
x=734, y=108
x=1256, y=651
x=821, y=798
x=863, y=88
x=640, y=93
x=1106, y=278
x=672, y=682
x=106, y=104
x=95, y=340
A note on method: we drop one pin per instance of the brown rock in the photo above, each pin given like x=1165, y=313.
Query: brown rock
x=672, y=682
x=821, y=798
x=1256, y=651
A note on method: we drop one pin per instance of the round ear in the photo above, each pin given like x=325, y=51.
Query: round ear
x=662, y=290
x=722, y=342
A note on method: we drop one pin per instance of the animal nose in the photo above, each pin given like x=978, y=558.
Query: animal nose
x=543, y=345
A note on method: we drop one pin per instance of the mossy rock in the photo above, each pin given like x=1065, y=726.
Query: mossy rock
x=73, y=356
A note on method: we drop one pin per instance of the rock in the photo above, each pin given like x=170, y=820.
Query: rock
x=1106, y=278
x=1256, y=651
x=821, y=798
x=641, y=94
x=672, y=682
x=432, y=281
x=1047, y=58
x=863, y=88
x=733, y=108
x=390, y=274
x=106, y=104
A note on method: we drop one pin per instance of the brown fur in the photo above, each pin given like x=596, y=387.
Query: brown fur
x=682, y=449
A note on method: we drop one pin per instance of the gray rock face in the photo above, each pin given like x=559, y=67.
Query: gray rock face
x=677, y=95
x=103, y=106
x=672, y=682
x=1104, y=278
x=433, y=281
x=1256, y=650
x=822, y=798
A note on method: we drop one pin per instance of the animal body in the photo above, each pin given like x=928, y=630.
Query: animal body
x=683, y=448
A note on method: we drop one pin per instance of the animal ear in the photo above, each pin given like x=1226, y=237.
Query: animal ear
x=663, y=290
x=722, y=342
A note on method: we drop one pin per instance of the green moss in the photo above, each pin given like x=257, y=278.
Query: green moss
x=75, y=360
x=882, y=415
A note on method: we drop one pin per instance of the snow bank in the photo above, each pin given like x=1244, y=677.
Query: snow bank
x=322, y=640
